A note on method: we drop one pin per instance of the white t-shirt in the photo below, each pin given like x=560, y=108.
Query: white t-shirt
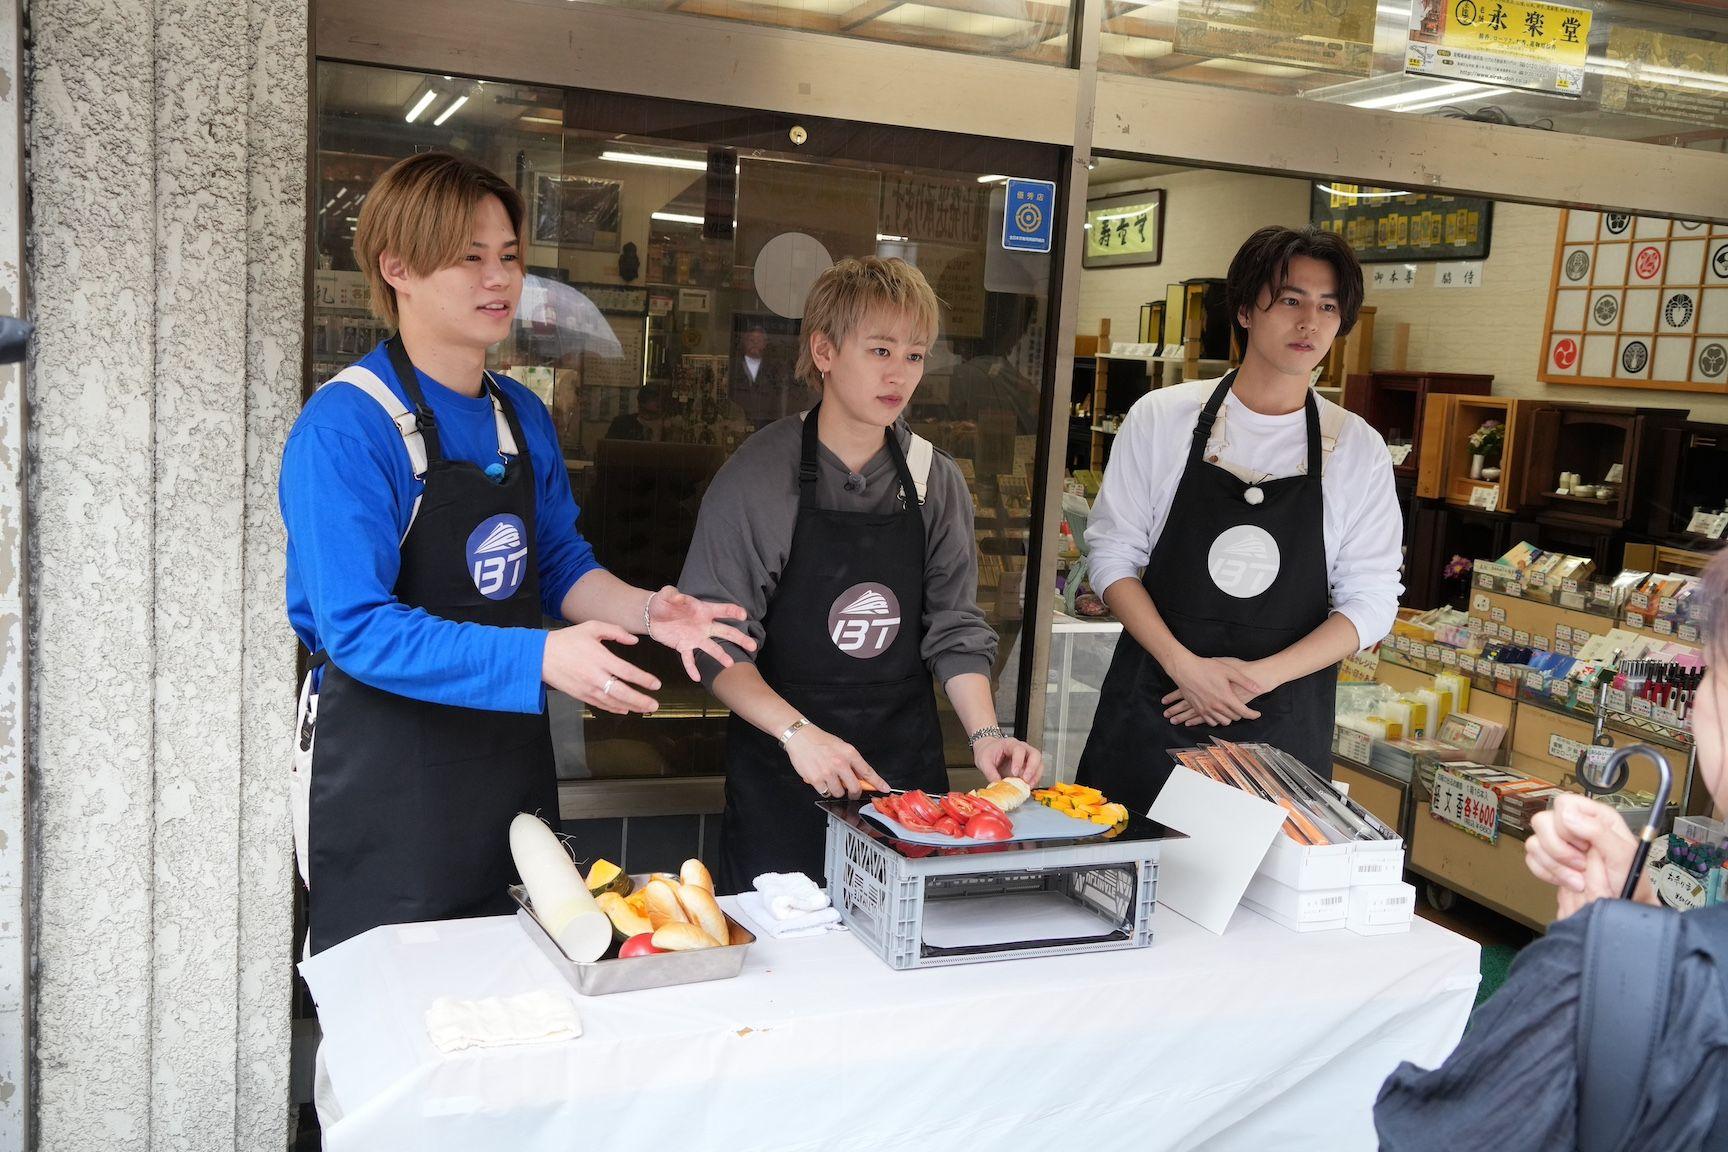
x=1364, y=525
x=754, y=365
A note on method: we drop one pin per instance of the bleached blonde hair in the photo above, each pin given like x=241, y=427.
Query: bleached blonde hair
x=851, y=290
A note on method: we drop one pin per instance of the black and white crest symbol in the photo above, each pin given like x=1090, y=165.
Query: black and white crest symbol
x=1636, y=355
x=1678, y=310
x=1578, y=265
x=1606, y=309
x=1617, y=223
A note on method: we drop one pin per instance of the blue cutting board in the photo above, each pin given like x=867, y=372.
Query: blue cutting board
x=1032, y=821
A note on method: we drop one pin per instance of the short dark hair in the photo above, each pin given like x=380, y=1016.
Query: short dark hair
x=1263, y=264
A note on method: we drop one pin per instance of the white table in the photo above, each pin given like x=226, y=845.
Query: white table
x=1260, y=1038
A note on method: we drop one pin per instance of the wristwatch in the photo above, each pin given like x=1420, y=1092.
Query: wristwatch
x=792, y=730
x=993, y=732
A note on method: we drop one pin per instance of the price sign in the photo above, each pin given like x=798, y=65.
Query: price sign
x=1485, y=498
x=1688, y=633
x=1614, y=699
x=1506, y=633
x=1465, y=804
x=1536, y=681
x=1678, y=888
x=1497, y=614
x=1541, y=643
x=1718, y=526
x=1505, y=673
x=1587, y=697
x=1701, y=523
x=1449, y=657
x=1565, y=750
x=1594, y=766
x=1580, y=637
x=1641, y=707
x=1569, y=586
x=1666, y=716
x=1434, y=653
x=1663, y=626
x=1521, y=638
x=1562, y=648
x=1351, y=744
x=1639, y=601
x=1602, y=593
x=1668, y=606
x=1467, y=662
x=1460, y=731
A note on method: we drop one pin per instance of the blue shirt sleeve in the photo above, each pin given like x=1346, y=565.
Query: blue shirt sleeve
x=565, y=555
x=346, y=493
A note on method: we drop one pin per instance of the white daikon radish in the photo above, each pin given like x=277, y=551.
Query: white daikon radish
x=561, y=899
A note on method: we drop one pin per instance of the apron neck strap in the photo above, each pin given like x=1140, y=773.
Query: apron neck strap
x=807, y=469
x=518, y=443
x=1316, y=448
x=424, y=421
x=1209, y=417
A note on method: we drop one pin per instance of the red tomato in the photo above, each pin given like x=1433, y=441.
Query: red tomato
x=983, y=807
x=639, y=945
x=960, y=806
x=918, y=805
x=949, y=826
x=987, y=827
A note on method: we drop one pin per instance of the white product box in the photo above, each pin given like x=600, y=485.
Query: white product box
x=1306, y=868
x=1300, y=910
x=1378, y=909
x=1374, y=862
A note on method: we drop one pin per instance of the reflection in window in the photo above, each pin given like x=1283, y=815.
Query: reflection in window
x=658, y=323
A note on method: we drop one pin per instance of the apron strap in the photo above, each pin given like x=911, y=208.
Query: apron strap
x=807, y=461
x=1315, y=444
x=410, y=381
x=405, y=421
x=511, y=441
x=909, y=495
x=1209, y=416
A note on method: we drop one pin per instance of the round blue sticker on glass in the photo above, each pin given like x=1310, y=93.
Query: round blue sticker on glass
x=498, y=556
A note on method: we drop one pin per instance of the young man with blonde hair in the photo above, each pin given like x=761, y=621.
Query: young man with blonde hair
x=848, y=542
x=430, y=530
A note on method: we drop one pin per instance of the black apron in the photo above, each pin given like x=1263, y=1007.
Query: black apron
x=411, y=802
x=1214, y=540
x=844, y=640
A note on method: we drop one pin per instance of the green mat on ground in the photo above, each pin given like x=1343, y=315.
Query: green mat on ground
x=1496, y=962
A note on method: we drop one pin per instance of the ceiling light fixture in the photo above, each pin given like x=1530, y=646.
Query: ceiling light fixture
x=1394, y=101
x=991, y=179
x=675, y=218
x=450, y=111
x=653, y=161
x=1386, y=195
x=421, y=105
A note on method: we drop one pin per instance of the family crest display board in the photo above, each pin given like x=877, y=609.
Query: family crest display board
x=1638, y=302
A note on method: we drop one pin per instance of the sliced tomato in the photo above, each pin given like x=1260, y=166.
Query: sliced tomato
x=886, y=806
x=984, y=807
x=960, y=806
x=987, y=827
x=920, y=806
x=949, y=826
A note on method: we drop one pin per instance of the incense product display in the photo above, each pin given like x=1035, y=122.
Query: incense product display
x=1315, y=814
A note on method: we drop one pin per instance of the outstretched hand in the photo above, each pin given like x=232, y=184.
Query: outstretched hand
x=688, y=626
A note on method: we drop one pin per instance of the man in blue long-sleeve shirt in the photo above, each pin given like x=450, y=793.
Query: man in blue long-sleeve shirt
x=430, y=529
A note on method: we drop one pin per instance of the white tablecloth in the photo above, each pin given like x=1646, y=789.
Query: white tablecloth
x=1260, y=1038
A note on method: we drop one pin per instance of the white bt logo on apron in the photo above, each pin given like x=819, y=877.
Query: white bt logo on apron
x=1243, y=561
x=864, y=620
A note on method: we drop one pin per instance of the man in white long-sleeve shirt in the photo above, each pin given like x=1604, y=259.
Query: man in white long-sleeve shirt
x=1267, y=527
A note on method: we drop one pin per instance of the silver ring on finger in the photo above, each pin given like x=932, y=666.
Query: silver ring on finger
x=606, y=688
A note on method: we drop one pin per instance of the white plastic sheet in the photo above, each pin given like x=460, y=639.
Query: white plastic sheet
x=1254, y=1039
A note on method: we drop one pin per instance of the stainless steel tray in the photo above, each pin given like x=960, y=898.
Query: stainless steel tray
x=604, y=977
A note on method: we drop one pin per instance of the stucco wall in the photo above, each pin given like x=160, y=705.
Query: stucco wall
x=168, y=177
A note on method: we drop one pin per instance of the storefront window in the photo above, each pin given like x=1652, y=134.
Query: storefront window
x=1631, y=71
x=667, y=242
x=1035, y=30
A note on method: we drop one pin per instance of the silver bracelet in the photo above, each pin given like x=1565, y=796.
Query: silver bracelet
x=994, y=732
x=792, y=730
x=647, y=623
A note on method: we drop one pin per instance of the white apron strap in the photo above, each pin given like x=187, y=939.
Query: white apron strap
x=919, y=456
x=506, y=438
x=367, y=381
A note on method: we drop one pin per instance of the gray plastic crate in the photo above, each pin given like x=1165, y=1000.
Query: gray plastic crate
x=882, y=894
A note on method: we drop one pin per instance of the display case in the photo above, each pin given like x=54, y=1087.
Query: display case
x=1393, y=404
x=1613, y=452
x=1449, y=465
x=1691, y=477
x=1080, y=652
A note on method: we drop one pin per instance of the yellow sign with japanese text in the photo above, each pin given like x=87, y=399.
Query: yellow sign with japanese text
x=1667, y=76
x=1330, y=35
x=1509, y=43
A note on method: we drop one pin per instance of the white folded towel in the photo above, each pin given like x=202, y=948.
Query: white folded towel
x=536, y=1017
x=790, y=895
x=814, y=923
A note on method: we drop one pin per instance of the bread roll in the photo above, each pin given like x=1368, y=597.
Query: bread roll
x=679, y=937
x=663, y=906
x=699, y=903
x=696, y=873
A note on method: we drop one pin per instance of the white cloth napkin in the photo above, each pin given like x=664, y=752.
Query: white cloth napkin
x=789, y=895
x=755, y=906
x=536, y=1017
